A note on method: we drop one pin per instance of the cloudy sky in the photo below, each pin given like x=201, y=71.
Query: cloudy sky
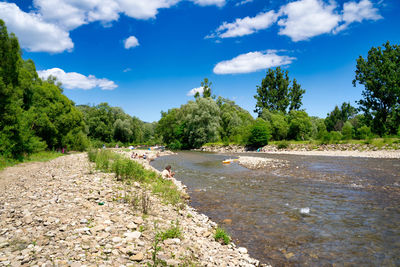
x=150, y=56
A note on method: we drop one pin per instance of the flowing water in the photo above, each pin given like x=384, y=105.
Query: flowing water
x=316, y=211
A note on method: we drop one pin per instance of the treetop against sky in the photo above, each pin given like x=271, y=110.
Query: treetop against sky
x=148, y=56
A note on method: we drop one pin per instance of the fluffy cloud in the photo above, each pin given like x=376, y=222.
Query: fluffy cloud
x=308, y=18
x=195, y=90
x=130, y=42
x=357, y=12
x=251, y=62
x=247, y=25
x=46, y=28
x=74, y=80
x=301, y=20
x=33, y=32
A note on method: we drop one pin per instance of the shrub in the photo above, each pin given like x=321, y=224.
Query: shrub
x=364, y=132
x=347, y=131
x=259, y=134
x=283, y=145
x=221, y=236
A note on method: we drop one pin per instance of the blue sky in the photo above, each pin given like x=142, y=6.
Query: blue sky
x=146, y=56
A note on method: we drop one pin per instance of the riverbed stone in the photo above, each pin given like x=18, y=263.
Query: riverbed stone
x=50, y=211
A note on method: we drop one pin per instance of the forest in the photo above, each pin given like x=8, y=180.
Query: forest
x=37, y=116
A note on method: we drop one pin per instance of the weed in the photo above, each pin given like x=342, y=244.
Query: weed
x=221, y=236
x=145, y=202
x=156, y=248
x=173, y=232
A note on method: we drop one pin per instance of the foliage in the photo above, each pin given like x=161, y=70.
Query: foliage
x=274, y=94
x=279, y=124
x=347, y=131
x=34, y=113
x=337, y=118
x=364, y=132
x=222, y=236
x=379, y=73
x=283, y=144
x=299, y=125
x=111, y=124
x=235, y=121
x=260, y=133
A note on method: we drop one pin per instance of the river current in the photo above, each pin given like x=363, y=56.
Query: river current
x=316, y=211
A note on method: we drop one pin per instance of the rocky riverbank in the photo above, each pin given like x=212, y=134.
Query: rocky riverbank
x=65, y=213
x=261, y=163
x=337, y=150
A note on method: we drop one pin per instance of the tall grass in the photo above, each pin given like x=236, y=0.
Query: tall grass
x=129, y=171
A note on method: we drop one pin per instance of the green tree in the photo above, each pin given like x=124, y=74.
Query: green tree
x=299, y=125
x=260, y=133
x=278, y=122
x=206, y=87
x=337, y=118
x=275, y=93
x=379, y=73
x=347, y=131
x=234, y=121
x=201, y=122
x=295, y=96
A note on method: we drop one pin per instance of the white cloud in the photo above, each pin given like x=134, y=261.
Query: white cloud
x=301, y=20
x=357, y=12
x=130, y=42
x=246, y=26
x=74, y=80
x=252, y=62
x=127, y=70
x=195, y=90
x=308, y=18
x=33, y=32
x=219, y=3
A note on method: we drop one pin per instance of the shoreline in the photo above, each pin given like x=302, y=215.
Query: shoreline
x=343, y=150
x=64, y=212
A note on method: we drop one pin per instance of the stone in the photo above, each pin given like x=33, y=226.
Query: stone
x=242, y=250
x=131, y=226
x=117, y=239
x=132, y=235
x=138, y=220
x=138, y=257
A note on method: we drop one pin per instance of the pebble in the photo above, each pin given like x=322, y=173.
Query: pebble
x=51, y=209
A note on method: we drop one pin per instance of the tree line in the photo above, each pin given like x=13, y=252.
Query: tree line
x=36, y=115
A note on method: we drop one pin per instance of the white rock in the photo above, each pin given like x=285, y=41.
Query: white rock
x=242, y=250
x=132, y=235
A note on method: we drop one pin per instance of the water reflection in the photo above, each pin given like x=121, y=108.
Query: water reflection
x=316, y=211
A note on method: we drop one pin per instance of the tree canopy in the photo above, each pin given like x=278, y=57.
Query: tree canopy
x=380, y=75
x=276, y=94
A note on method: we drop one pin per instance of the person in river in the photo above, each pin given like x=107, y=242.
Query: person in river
x=166, y=173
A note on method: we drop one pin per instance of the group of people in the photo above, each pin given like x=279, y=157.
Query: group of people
x=138, y=156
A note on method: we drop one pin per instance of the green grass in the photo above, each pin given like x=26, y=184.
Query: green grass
x=172, y=232
x=222, y=236
x=129, y=171
x=36, y=157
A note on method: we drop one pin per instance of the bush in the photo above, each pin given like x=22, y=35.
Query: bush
x=335, y=136
x=364, y=132
x=347, y=131
x=221, y=236
x=259, y=134
x=283, y=145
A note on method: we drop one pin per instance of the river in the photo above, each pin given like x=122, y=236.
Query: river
x=318, y=211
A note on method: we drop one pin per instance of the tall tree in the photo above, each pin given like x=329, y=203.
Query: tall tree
x=275, y=93
x=295, y=96
x=339, y=116
x=206, y=84
x=380, y=75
